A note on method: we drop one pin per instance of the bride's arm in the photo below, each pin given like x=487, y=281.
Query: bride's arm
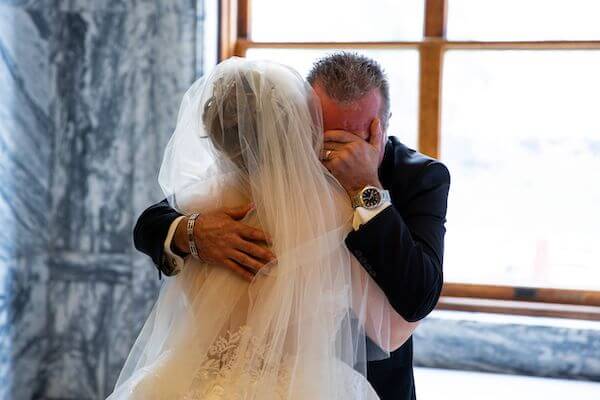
x=382, y=323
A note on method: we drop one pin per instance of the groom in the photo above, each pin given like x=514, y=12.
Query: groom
x=399, y=196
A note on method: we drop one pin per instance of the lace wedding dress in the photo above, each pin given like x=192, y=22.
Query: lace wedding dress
x=252, y=131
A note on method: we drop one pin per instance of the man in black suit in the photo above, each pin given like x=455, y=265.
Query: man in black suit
x=399, y=196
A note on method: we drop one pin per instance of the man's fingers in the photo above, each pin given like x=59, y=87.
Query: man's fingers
x=376, y=138
x=341, y=136
x=239, y=212
x=333, y=145
x=247, y=232
x=255, y=250
x=245, y=260
x=235, y=267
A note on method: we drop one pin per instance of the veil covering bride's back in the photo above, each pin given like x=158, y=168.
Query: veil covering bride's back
x=252, y=131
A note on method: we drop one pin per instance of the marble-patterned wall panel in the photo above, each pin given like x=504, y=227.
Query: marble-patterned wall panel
x=74, y=362
x=26, y=143
x=32, y=4
x=173, y=64
x=116, y=99
x=511, y=348
x=26, y=134
x=173, y=7
x=89, y=93
x=126, y=111
x=23, y=335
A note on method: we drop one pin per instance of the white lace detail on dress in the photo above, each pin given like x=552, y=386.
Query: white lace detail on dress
x=229, y=373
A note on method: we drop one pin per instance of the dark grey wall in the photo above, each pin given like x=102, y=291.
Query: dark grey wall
x=89, y=92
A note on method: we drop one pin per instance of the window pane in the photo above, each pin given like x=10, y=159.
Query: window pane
x=336, y=20
x=521, y=136
x=401, y=66
x=506, y=20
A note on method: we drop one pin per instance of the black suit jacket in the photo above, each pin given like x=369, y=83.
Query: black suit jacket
x=401, y=248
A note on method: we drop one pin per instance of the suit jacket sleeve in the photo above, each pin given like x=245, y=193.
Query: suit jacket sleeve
x=150, y=233
x=402, y=247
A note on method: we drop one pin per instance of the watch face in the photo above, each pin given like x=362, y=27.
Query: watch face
x=371, y=197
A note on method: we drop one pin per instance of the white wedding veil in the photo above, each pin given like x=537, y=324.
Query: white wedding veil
x=251, y=131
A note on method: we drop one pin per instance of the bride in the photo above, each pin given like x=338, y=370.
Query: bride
x=305, y=326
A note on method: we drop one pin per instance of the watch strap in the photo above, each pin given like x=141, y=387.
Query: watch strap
x=385, y=197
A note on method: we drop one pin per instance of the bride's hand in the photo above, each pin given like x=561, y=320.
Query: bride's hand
x=223, y=240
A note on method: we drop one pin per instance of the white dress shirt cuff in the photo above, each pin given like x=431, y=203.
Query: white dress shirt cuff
x=176, y=262
x=363, y=215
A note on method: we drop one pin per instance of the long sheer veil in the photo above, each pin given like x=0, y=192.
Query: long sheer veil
x=252, y=131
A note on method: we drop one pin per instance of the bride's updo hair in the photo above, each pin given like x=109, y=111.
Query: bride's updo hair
x=251, y=106
x=234, y=102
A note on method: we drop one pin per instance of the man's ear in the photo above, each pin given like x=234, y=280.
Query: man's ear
x=387, y=123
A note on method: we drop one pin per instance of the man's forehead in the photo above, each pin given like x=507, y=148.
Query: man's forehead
x=353, y=116
x=348, y=120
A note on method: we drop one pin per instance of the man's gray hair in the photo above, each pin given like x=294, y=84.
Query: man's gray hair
x=346, y=77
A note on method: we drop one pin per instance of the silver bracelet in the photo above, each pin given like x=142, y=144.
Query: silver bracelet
x=190, y=233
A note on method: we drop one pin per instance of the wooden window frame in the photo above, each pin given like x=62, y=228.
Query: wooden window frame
x=235, y=40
